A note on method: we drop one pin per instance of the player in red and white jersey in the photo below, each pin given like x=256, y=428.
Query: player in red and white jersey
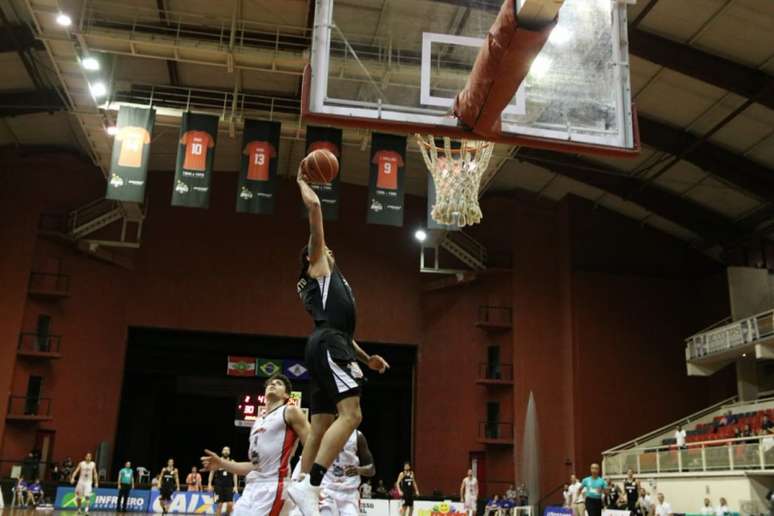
x=273, y=440
x=340, y=488
x=341, y=483
x=87, y=475
x=469, y=493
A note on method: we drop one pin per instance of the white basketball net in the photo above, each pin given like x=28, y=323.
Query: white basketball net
x=457, y=176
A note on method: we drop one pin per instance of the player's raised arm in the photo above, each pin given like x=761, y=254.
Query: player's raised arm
x=213, y=462
x=316, y=232
x=294, y=416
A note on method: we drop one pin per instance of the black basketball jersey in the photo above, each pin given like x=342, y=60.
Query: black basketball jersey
x=630, y=486
x=168, y=479
x=329, y=300
x=223, y=479
x=407, y=485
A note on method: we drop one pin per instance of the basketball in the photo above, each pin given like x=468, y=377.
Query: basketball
x=320, y=166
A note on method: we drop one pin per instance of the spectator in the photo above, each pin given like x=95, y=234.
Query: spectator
x=193, y=480
x=20, y=493
x=56, y=473
x=680, y=436
x=644, y=503
x=522, y=496
x=767, y=424
x=723, y=507
x=594, y=488
x=365, y=489
x=67, y=468
x=30, y=467
x=662, y=508
x=35, y=493
x=492, y=506
x=611, y=500
x=125, y=485
x=381, y=491
x=506, y=506
x=510, y=493
x=707, y=509
x=576, y=502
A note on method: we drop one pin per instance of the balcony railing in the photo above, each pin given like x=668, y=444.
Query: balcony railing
x=28, y=407
x=496, y=316
x=489, y=371
x=729, y=336
x=49, y=284
x=741, y=454
x=495, y=431
x=35, y=343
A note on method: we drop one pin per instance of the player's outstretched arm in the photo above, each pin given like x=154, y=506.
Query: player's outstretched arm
x=294, y=416
x=177, y=480
x=316, y=231
x=367, y=468
x=212, y=462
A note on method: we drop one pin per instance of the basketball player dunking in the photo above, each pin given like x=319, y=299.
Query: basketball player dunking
x=87, y=474
x=331, y=356
x=273, y=440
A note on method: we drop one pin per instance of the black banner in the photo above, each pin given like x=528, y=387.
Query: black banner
x=326, y=138
x=131, y=149
x=386, y=185
x=258, y=173
x=195, y=155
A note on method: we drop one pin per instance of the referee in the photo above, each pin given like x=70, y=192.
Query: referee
x=594, y=488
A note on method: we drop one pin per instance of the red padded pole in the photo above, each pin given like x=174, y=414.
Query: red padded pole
x=500, y=67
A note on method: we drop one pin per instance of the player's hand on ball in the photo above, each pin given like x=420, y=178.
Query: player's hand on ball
x=351, y=471
x=377, y=363
x=211, y=461
x=302, y=177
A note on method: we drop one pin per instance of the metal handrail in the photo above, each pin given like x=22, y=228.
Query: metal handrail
x=32, y=406
x=61, y=281
x=741, y=453
x=491, y=430
x=504, y=372
x=734, y=335
x=29, y=341
x=684, y=421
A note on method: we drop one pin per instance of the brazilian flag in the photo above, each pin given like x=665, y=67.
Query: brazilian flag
x=266, y=367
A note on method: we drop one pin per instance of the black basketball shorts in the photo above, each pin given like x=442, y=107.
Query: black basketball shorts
x=335, y=373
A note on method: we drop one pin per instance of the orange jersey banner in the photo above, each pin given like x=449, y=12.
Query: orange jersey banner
x=195, y=156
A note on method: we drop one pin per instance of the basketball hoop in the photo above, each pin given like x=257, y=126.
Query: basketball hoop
x=456, y=172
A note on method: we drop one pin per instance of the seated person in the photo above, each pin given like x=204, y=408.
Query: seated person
x=493, y=505
x=506, y=506
x=20, y=493
x=35, y=493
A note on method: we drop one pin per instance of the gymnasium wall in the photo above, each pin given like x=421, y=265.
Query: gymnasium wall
x=588, y=318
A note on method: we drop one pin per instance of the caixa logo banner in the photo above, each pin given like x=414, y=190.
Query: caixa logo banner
x=187, y=503
x=103, y=499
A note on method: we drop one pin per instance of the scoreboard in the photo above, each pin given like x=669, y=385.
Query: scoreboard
x=250, y=407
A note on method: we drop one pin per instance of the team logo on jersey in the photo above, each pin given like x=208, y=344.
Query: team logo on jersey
x=246, y=194
x=181, y=187
x=116, y=181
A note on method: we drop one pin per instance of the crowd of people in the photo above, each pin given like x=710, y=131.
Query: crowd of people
x=593, y=493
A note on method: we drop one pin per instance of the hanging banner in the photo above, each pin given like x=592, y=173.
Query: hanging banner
x=265, y=367
x=195, y=155
x=328, y=138
x=258, y=173
x=386, y=185
x=131, y=150
x=295, y=369
x=240, y=366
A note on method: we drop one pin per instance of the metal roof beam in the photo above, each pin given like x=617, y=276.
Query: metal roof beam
x=26, y=102
x=720, y=72
x=714, y=228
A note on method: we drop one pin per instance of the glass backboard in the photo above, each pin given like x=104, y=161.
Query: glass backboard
x=398, y=65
